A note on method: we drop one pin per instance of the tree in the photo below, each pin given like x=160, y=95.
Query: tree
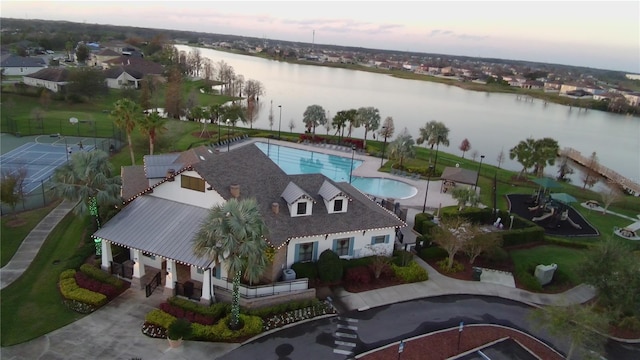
x=88, y=178
x=481, y=243
x=465, y=145
x=126, y=114
x=339, y=121
x=464, y=196
x=474, y=155
x=151, y=125
x=434, y=133
x=402, y=147
x=610, y=195
x=388, y=128
x=173, y=98
x=86, y=82
x=380, y=259
x=609, y=268
x=590, y=178
x=145, y=95
x=452, y=235
x=564, y=169
x=369, y=118
x=580, y=324
x=271, y=118
x=350, y=117
x=292, y=125
x=253, y=89
x=251, y=112
x=82, y=53
x=313, y=116
x=234, y=234
x=37, y=114
x=545, y=153
x=524, y=153
x=500, y=158
x=11, y=186
x=45, y=99
x=234, y=113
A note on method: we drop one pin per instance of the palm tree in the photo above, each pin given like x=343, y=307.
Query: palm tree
x=152, y=125
x=126, y=114
x=434, y=133
x=369, y=117
x=402, y=147
x=523, y=152
x=88, y=178
x=233, y=233
x=339, y=122
x=314, y=116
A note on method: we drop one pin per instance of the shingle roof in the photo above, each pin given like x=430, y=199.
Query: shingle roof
x=293, y=193
x=108, y=52
x=158, y=226
x=21, y=61
x=328, y=191
x=135, y=179
x=51, y=74
x=134, y=64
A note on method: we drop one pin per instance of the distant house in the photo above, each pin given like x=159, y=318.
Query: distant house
x=19, y=65
x=49, y=78
x=128, y=72
x=532, y=84
x=633, y=98
x=101, y=58
x=552, y=86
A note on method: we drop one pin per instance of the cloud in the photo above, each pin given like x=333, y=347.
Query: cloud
x=449, y=33
x=341, y=26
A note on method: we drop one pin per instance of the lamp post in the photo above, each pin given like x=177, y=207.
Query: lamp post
x=353, y=152
x=383, y=145
x=218, y=120
x=426, y=192
x=478, y=174
x=279, y=121
x=228, y=134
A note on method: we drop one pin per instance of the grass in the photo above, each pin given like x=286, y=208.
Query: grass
x=567, y=259
x=32, y=306
x=12, y=235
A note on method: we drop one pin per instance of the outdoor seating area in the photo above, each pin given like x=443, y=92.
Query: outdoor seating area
x=409, y=175
x=630, y=232
x=229, y=141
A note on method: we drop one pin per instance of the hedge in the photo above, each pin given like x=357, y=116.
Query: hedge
x=411, y=273
x=354, y=263
x=159, y=318
x=419, y=219
x=282, y=308
x=70, y=290
x=433, y=253
x=221, y=332
x=101, y=275
x=217, y=310
x=522, y=236
x=305, y=270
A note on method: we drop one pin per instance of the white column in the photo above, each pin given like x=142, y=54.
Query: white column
x=207, y=290
x=138, y=266
x=172, y=274
x=107, y=256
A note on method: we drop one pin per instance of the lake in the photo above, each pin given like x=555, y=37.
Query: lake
x=490, y=121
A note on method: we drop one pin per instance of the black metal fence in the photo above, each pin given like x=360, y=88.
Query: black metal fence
x=123, y=270
x=152, y=285
x=188, y=289
x=42, y=196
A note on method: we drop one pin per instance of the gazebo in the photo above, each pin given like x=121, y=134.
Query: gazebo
x=452, y=176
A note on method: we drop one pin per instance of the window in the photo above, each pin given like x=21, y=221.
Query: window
x=192, y=183
x=305, y=252
x=337, y=205
x=200, y=270
x=302, y=208
x=380, y=239
x=342, y=246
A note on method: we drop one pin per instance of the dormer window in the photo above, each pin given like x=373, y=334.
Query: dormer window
x=337, y=205
x=302, y=208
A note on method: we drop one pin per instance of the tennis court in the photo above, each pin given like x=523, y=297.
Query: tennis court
x=42, y=157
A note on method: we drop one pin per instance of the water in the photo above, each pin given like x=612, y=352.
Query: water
x=490, y=121
x=337, y=168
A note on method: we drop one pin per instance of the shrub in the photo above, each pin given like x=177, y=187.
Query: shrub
x=329, y=267
x=496, y=255
x=360, y=274
x=180, y=328
x=221, y=332
x=419, y=219
x=630, y=323
x=353, y=263
x=284, y=307
x=160, y=318
x=305, y=270
x=214, y=311
x=427, y=228
x=411, y=273
x=402, y=257
x=67, y=274
x=70, y=290
x=528, y=281
x=433, y=253
x=455, y=267
x=101, y=275
x=190, y=315
x=522, y=236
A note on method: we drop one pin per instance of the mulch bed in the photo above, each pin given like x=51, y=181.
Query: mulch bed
x=444, y=344
x=374, y=284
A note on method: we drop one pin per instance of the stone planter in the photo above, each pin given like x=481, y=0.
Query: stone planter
x=175, y=343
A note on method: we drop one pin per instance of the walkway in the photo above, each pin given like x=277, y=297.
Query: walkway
x=32, y=243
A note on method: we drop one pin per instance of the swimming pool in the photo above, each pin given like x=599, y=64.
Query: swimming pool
x=337, y=168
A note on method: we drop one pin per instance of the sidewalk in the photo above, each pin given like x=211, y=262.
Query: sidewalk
x=32, y=243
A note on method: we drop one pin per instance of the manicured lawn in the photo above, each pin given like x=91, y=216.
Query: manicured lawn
x=16, y=228
x=32, y=306
x=566, y=258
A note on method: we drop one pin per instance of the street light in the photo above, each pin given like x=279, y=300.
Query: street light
x=424, y=206
x=228, y=134
x=279, y=121
x=383, y=145
x=353, y=152
x=478, y=174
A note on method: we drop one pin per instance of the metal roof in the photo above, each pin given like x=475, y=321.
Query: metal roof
x=158, y=226
x=328, y=191
x=293, y=193
x=156, y=166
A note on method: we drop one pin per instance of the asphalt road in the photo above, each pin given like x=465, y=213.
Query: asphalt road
x=357, y=332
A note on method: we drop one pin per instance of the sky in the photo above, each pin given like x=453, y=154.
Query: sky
x=599, y=34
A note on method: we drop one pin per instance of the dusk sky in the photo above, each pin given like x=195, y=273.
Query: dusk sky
x=597, y=34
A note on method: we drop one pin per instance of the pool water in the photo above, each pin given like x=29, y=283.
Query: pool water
x=337, y=168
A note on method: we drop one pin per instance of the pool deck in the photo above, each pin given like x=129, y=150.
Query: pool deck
x=369, y=168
